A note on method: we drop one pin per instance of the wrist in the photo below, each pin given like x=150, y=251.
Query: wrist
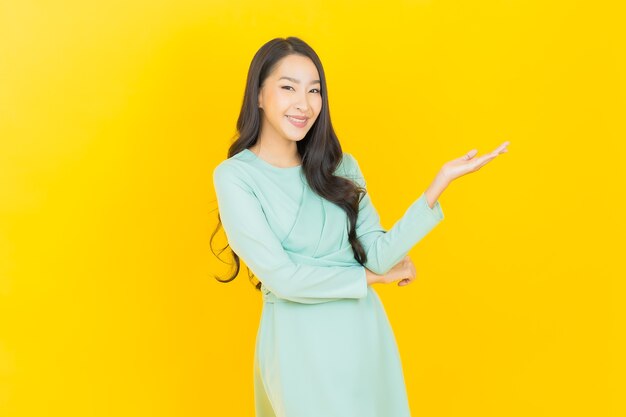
x=442, y=180
x=434, y=190
x=371, y=277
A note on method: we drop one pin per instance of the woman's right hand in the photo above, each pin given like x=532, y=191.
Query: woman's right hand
x=403, y=271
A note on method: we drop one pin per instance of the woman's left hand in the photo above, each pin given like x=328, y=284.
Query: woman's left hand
x=467, y=163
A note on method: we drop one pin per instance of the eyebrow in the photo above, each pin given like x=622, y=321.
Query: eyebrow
x=297, y=81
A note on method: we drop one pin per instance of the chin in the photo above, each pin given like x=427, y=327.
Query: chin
x=296, y=138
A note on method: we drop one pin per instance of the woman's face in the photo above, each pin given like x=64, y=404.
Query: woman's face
x=292, y=89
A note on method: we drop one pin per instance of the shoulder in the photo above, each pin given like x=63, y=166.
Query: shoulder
x=349, y=168
x=233, y=170
x=347, y=163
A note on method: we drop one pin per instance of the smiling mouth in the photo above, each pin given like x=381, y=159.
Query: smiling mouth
x=297, y=122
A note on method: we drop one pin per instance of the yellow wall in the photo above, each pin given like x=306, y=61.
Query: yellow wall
x=113, y=115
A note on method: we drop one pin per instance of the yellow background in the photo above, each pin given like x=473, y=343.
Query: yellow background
x=113, y=115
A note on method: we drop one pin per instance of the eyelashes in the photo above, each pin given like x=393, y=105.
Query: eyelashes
x=286, y=87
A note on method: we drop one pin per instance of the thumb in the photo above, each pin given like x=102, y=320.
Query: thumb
x=469, y=155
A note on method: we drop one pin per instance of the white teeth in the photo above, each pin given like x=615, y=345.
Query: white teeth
x=297, y=120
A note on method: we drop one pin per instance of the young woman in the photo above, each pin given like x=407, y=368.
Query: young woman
x=294, y=207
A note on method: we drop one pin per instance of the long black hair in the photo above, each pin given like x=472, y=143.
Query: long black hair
x=320, y=150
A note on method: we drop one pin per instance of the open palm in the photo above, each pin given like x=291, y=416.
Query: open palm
x=467, y=163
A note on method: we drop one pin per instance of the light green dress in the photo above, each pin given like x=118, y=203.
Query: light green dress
x=324, y=347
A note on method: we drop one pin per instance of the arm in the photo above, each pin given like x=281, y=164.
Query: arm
x=384, y=249
x=251, y=237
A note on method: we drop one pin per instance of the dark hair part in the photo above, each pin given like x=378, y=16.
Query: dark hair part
x=320, y=150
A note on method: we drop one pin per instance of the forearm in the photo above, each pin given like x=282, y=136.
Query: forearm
x=434, y=190
x=384, y=249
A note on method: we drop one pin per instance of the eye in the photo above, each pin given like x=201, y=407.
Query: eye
x=287, y=87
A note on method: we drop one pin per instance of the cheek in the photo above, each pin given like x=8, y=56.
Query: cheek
x=317, y=105
x=281, y=103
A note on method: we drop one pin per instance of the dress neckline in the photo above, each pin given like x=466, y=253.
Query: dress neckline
x=266, y=164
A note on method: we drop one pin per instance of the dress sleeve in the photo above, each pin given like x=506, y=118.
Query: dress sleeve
x=384, y=248
x=252, y=239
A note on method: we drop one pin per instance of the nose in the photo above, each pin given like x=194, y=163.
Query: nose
x=302, y=103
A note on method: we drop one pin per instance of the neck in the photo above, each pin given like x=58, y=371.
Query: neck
x=279, y=154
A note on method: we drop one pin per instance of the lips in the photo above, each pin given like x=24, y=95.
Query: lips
x=297, y=122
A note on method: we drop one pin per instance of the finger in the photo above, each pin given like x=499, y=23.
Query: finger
x=502, y=148
x=485, y=158
x=469, y=155
x=481, y=161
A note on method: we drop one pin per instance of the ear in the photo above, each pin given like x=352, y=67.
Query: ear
x=260, y=100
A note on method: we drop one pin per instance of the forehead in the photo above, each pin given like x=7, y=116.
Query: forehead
x=297, y=67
